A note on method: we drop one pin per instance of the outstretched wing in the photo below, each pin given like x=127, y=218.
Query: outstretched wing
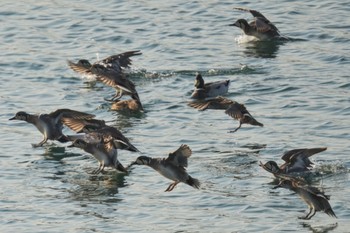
x=180, y=156
x=78, y=125
x=287, y=156
x=236, y=111
x=68, y=113
x=119, y=61
x=261, y=22
x=217, y=103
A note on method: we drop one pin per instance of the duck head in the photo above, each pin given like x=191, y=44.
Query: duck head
x=199, y=82
x=142, y=160
x=270, y=166
x=22, y=116
x=241, y=23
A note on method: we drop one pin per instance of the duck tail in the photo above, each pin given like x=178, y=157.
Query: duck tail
x=330, y=212
x=255, y=122
x=193, y=182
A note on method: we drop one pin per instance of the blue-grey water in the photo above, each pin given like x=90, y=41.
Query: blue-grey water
x=299, y=90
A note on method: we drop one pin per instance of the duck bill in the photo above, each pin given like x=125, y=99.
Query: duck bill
x=13, y=118
x=234, y=24
x=72, y=145
x=277, y=186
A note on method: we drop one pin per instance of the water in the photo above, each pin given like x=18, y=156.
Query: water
x=299, y=89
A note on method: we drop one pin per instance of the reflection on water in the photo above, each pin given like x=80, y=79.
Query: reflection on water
x=320, y=229
x=102, y=187
x=262, y=49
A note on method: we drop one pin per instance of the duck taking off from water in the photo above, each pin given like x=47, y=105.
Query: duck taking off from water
x=312, y=196
x=296, y=161
x=172, y=167
x=105, y=153
x=51, y=125
x=116, y=63
x=212, y=89
x=261, y=28
x=235, y=110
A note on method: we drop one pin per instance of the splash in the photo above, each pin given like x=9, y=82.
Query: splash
x=243, y=39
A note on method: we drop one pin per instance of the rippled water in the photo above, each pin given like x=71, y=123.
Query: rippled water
x=299, y=89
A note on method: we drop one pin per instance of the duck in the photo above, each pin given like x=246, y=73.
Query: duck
x=132, y=105
x=312, y=196
x=232, y=108
x=296, y=161
x=51, y=125
x=204, y=90
x=105, y=153
x=172, y=167
x=119, y=81
x=116, y=63
x=93, y=130
x=260, y=28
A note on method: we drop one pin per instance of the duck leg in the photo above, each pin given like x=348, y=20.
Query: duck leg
x=100, y=169
x=309, y=215
x=115, y=97
x=171, y=186
x=40, y=144
x=232, y=131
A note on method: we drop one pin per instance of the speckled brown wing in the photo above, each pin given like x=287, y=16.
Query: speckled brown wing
x=59, y=113
x=82, y=67
x=113, y=79
x=217, y=103
x=78, y=125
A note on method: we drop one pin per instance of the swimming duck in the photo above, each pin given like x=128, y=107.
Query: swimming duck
x=104, y=152
x=235, y=110
x=172, y=167
x=296, y=161
x=116, y=63
x=212, y=89
x=312, y=196
x=260, y=27
x=95, y=130
x=131, y=105
x=51, y=125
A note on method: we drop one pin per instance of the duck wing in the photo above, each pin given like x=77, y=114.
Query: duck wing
x=307, y=152
x=83, y=125
x=68, y=113
x=119, y=61
x=217, y=103
x=112, y=78
x=180, y=156
x=82, y=66
x=262, y=24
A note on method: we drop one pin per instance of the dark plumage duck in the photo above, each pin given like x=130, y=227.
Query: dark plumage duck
x=51, y=125
x=296, y=161
x=172, y=167
x=95, y=130
x=312, y=196
x=236, y=110
x=119, y=81
x=212, y=89
x=260, y=27
x=116, y=63
x=105, y=152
